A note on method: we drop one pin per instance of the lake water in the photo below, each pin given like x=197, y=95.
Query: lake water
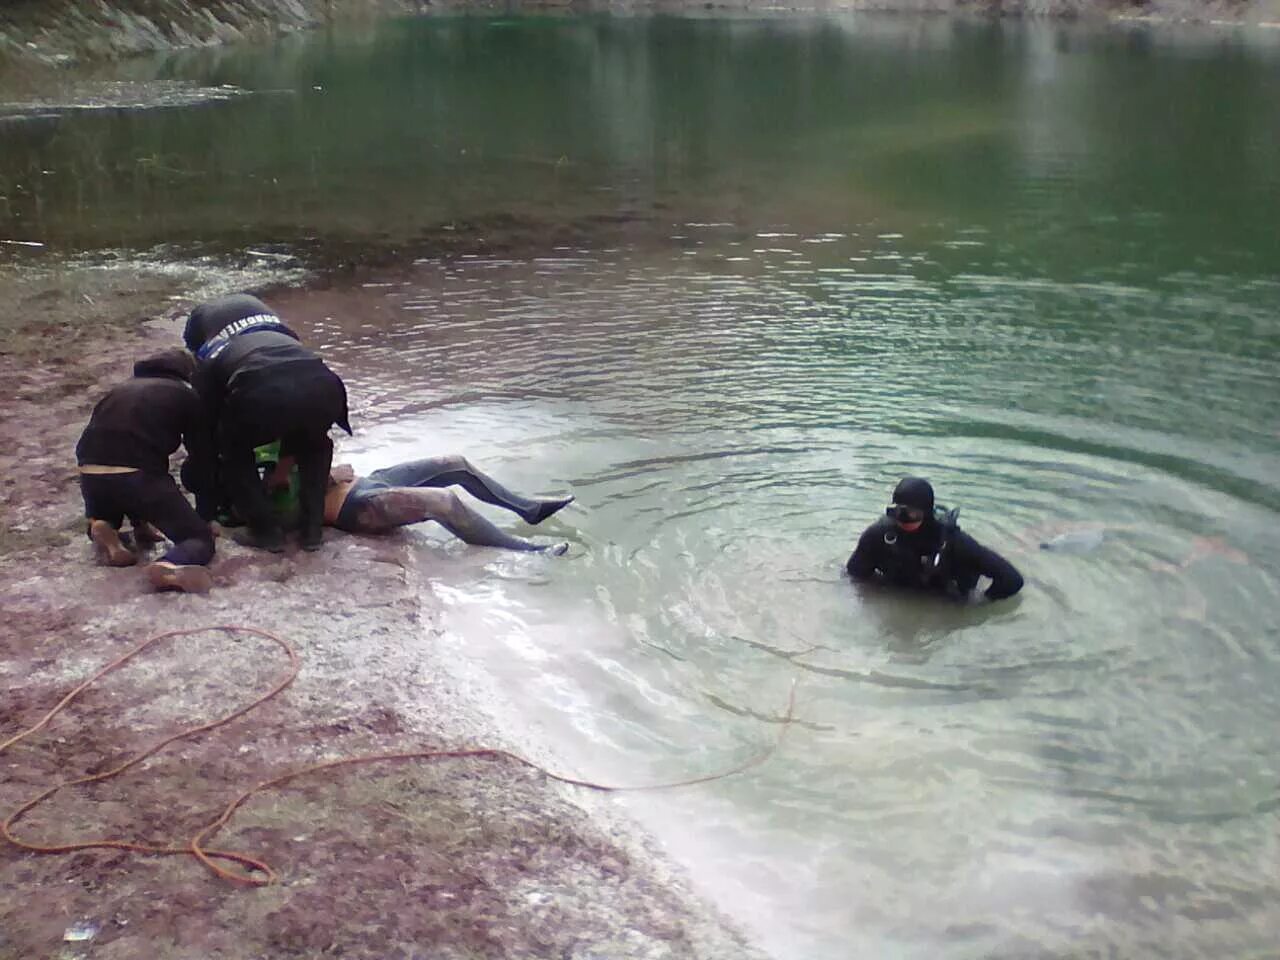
x=727, y=280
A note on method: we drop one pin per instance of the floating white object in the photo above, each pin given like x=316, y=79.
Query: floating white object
x=1077, y=541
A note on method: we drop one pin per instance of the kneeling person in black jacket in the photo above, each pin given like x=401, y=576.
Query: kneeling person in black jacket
x=260, y=384
x=912, y=547
x=123, y=456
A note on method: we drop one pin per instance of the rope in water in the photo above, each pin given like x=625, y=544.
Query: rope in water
x=257, y=872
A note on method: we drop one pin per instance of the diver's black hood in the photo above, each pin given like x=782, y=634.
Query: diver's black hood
x=914, y=492
x=208, y=319
x=176, y=363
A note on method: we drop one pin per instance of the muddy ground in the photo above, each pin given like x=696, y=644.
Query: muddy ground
x=462, y=859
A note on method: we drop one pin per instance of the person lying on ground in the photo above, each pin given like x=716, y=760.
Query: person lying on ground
x=260, y=384
x=123, y=457
x=412, y=492
x=912, y=546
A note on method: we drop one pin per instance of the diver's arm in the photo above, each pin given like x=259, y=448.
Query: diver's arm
x=862, y=562
x=199, y=469
x=211, y=389
x=1005, y=578
x=200, y=472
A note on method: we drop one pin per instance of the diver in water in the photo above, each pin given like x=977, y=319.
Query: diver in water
x=123, y=457
x=412, y=492
x=259, y=384
x=918, y=545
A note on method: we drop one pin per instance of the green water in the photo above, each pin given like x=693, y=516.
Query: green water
x=1126, y=154
x=726, y=280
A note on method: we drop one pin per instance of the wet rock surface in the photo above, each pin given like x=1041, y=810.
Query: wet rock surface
x=65, y=30
x=464, y=858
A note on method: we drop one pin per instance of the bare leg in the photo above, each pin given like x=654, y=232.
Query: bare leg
x=450, y=470
x=387, y=509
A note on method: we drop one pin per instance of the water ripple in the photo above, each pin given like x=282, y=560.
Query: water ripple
x=731, y=421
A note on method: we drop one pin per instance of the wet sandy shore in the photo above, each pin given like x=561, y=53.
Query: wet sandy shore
x=457, y=859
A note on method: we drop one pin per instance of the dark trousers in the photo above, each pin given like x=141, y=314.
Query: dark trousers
x=296, y=407
x=149, y=498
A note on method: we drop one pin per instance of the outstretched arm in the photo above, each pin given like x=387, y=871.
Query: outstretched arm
x=199, y=470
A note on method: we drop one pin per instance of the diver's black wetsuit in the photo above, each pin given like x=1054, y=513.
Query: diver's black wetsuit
x=138, y=425
x=907, y=559
x=260, y=384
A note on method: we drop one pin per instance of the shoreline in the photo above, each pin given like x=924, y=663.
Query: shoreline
x=65, y=33
x=464, y=858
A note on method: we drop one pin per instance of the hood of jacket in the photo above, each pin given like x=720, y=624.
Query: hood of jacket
x=209, y=319
x=176, y=363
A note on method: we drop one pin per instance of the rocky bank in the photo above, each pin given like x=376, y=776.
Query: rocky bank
x=59, y=31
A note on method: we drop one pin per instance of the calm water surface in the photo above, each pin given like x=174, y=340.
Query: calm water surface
x=1037, y=264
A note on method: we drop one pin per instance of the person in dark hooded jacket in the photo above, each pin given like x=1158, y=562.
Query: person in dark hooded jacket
x=911, y=546
x=260, y=384
x=123, y=457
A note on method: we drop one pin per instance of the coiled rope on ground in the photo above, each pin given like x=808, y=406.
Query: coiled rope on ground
x=257, y=872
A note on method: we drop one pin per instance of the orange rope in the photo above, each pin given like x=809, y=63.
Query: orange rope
x=6, y=828
x=196, y=847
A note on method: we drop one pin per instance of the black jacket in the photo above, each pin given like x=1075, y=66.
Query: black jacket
x=237, y=339
x=143, y=420
x=908, y=559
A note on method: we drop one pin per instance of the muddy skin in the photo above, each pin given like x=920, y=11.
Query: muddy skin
x=400, y=506
x=453, y=470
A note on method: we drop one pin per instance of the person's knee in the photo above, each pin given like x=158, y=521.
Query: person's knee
x=454, y=462
x=198, y=548
x=444, y=504
x=203, y=549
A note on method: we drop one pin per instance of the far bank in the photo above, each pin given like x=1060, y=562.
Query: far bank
x=63, y=31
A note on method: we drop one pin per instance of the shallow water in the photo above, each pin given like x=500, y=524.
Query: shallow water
x=1037, y=265
x=1080, y=766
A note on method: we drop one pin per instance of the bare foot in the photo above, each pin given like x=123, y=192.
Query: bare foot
x=184, y=577
x=546, y=508
x=106, y=539
x=147, y=535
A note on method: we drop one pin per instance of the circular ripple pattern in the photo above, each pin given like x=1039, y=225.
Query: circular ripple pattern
x=1090, y=767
